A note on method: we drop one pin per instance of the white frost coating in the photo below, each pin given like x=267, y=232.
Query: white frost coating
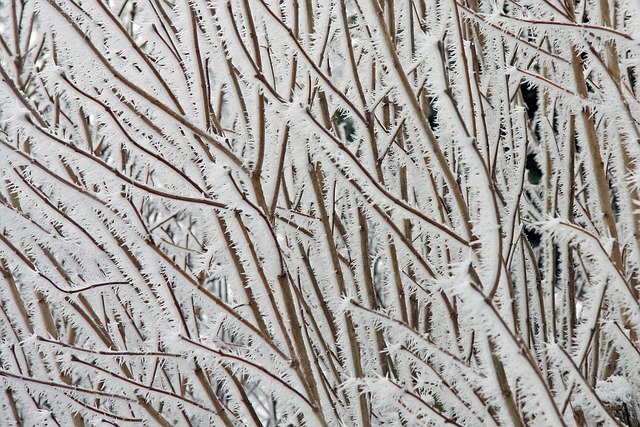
x=279, y=212
x=616, y=390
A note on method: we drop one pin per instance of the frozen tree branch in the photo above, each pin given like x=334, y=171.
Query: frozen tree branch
x=314, y=212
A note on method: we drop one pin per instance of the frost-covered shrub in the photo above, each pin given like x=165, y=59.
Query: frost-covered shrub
x=315, y=212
